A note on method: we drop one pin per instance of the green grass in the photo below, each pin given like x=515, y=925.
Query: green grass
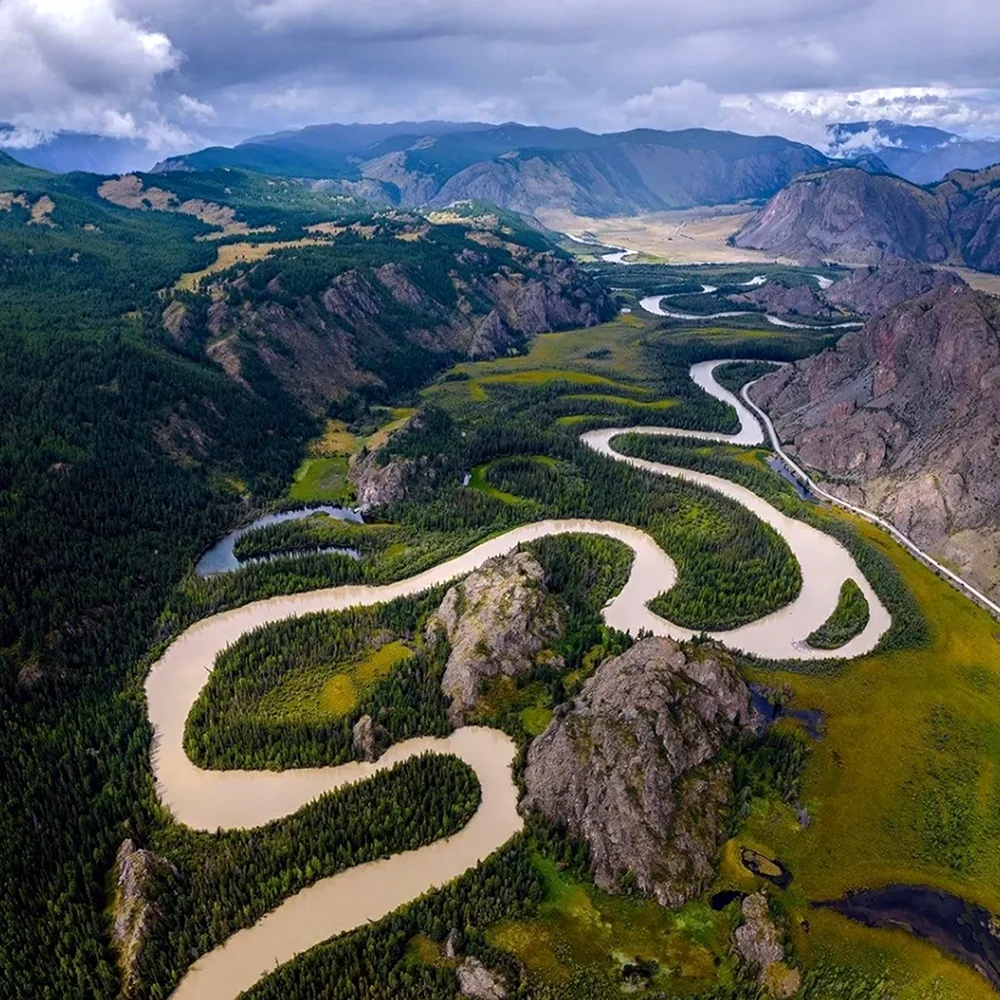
x=581, y=939
x=848, y=619
x=594, y=397
x=322, y=479
x=316, y=695
x=904, y=786
x=478, y=481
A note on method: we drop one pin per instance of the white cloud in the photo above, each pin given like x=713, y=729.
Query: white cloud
x=77, y=64
x=22, y=137
x=191, y=107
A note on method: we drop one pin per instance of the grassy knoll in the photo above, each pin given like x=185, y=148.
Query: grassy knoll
x=322, y=478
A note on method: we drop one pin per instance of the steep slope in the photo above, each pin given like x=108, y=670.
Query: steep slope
x=972, y=199
x=851, y=216
x=381, y=312
x=904, y=416
x=856, y=217
x=525, y=167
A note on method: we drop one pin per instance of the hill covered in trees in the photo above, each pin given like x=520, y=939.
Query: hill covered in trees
x=128, y=444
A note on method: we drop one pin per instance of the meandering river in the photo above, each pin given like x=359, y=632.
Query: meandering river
x=653, y=305
x=210, y=800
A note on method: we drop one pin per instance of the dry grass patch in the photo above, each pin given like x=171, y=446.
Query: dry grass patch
x=233, y=253
x=688, y=236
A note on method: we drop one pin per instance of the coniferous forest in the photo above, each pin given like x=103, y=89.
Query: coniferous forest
x=131, y=440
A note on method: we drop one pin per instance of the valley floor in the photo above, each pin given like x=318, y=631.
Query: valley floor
x=922, y=813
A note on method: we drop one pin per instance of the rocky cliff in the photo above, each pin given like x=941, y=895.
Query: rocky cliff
x=857, y=217
x=632, y=766
x=383, y=315
x=904, y=417
x=851, y=216
x=497, y=620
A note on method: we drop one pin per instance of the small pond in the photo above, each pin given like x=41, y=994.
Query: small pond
x=220, y=558
x=777, y=465
x=967, y=932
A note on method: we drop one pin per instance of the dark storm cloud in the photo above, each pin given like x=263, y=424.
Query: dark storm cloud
x=168, y=71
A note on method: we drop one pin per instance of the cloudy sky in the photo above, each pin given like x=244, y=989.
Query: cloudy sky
x=177, y=73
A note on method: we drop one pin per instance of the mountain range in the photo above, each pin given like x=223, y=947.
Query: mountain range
x=919, y=153
x=524, y=168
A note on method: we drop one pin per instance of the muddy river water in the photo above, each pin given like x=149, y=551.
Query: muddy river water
x=210, y=800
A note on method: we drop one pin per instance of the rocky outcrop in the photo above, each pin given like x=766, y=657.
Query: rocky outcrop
x=864, y=292
x=857, y=217
x=870, y=290
x=758, y=943
x=785, y=300
x=135, y=915
x=903, y=417
x=376, y=484
x=851, y=216
x=632, y=766
x=366, y=737
x=479, y=983
x=496, y=621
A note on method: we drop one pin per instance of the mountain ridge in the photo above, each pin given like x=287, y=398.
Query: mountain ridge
x=902, y=416
x=856, y=218
x=525, y=168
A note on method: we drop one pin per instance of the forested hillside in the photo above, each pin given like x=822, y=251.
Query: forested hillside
x=125, y=449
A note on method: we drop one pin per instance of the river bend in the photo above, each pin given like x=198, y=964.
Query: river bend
x=210, y=800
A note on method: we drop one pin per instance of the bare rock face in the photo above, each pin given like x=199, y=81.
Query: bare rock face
x=870, y=290
x=903, y=417
x=631, y=766
x=758, y=943
x=479, y=983
x=852, y=216
x=496, y=621
x=364, y=738
x=378, y=484
x=135, y=917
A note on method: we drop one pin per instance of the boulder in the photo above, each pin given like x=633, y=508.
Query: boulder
x=478, y=982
